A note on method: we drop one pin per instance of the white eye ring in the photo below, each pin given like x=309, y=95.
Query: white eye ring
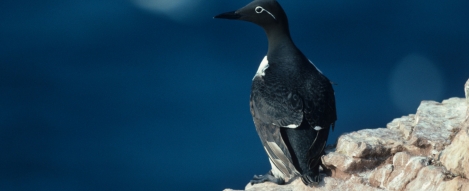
x=260, y=9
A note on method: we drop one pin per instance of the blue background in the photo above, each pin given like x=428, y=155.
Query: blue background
x=154, y=94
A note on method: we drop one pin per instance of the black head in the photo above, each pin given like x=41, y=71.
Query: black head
x=265, y=13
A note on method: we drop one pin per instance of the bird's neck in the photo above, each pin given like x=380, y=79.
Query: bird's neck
x=280, y=41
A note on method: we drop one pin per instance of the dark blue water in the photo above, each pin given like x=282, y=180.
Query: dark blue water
x=154, y=95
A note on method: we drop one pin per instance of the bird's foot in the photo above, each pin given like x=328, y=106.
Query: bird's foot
x=266, y=177
x=313, y=180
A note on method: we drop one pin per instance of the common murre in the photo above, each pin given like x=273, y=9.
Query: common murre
x=292, y=102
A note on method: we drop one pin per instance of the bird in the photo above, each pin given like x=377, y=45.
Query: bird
x=292, y=102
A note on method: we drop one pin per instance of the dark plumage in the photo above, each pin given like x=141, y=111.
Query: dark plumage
x=292, y=102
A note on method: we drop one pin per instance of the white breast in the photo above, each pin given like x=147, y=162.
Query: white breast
x=262, y=67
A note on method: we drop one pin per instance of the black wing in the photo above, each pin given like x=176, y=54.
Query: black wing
x=274, y=145
x=275, y=104
x=319, y=108
x=320, y=113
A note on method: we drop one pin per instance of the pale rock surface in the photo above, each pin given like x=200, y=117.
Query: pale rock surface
x=428, y=150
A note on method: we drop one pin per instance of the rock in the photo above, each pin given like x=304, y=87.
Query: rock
x=396, y=176
x=455, y=158
x=428, y=178
x=428, y=150
x=457, y=183
x=362, y=150
x=404, y=125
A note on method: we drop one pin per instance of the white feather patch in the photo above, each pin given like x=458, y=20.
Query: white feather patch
x=278, y=167
x=292, y=126
x=275, y=171
x=262, y=67
x=317, y=128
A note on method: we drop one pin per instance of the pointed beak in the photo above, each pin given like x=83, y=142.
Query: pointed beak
x=228, y=15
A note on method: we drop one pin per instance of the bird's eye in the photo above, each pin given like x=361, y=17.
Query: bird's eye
x=259, y=9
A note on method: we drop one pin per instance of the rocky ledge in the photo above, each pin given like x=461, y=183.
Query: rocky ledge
x=428, y=150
